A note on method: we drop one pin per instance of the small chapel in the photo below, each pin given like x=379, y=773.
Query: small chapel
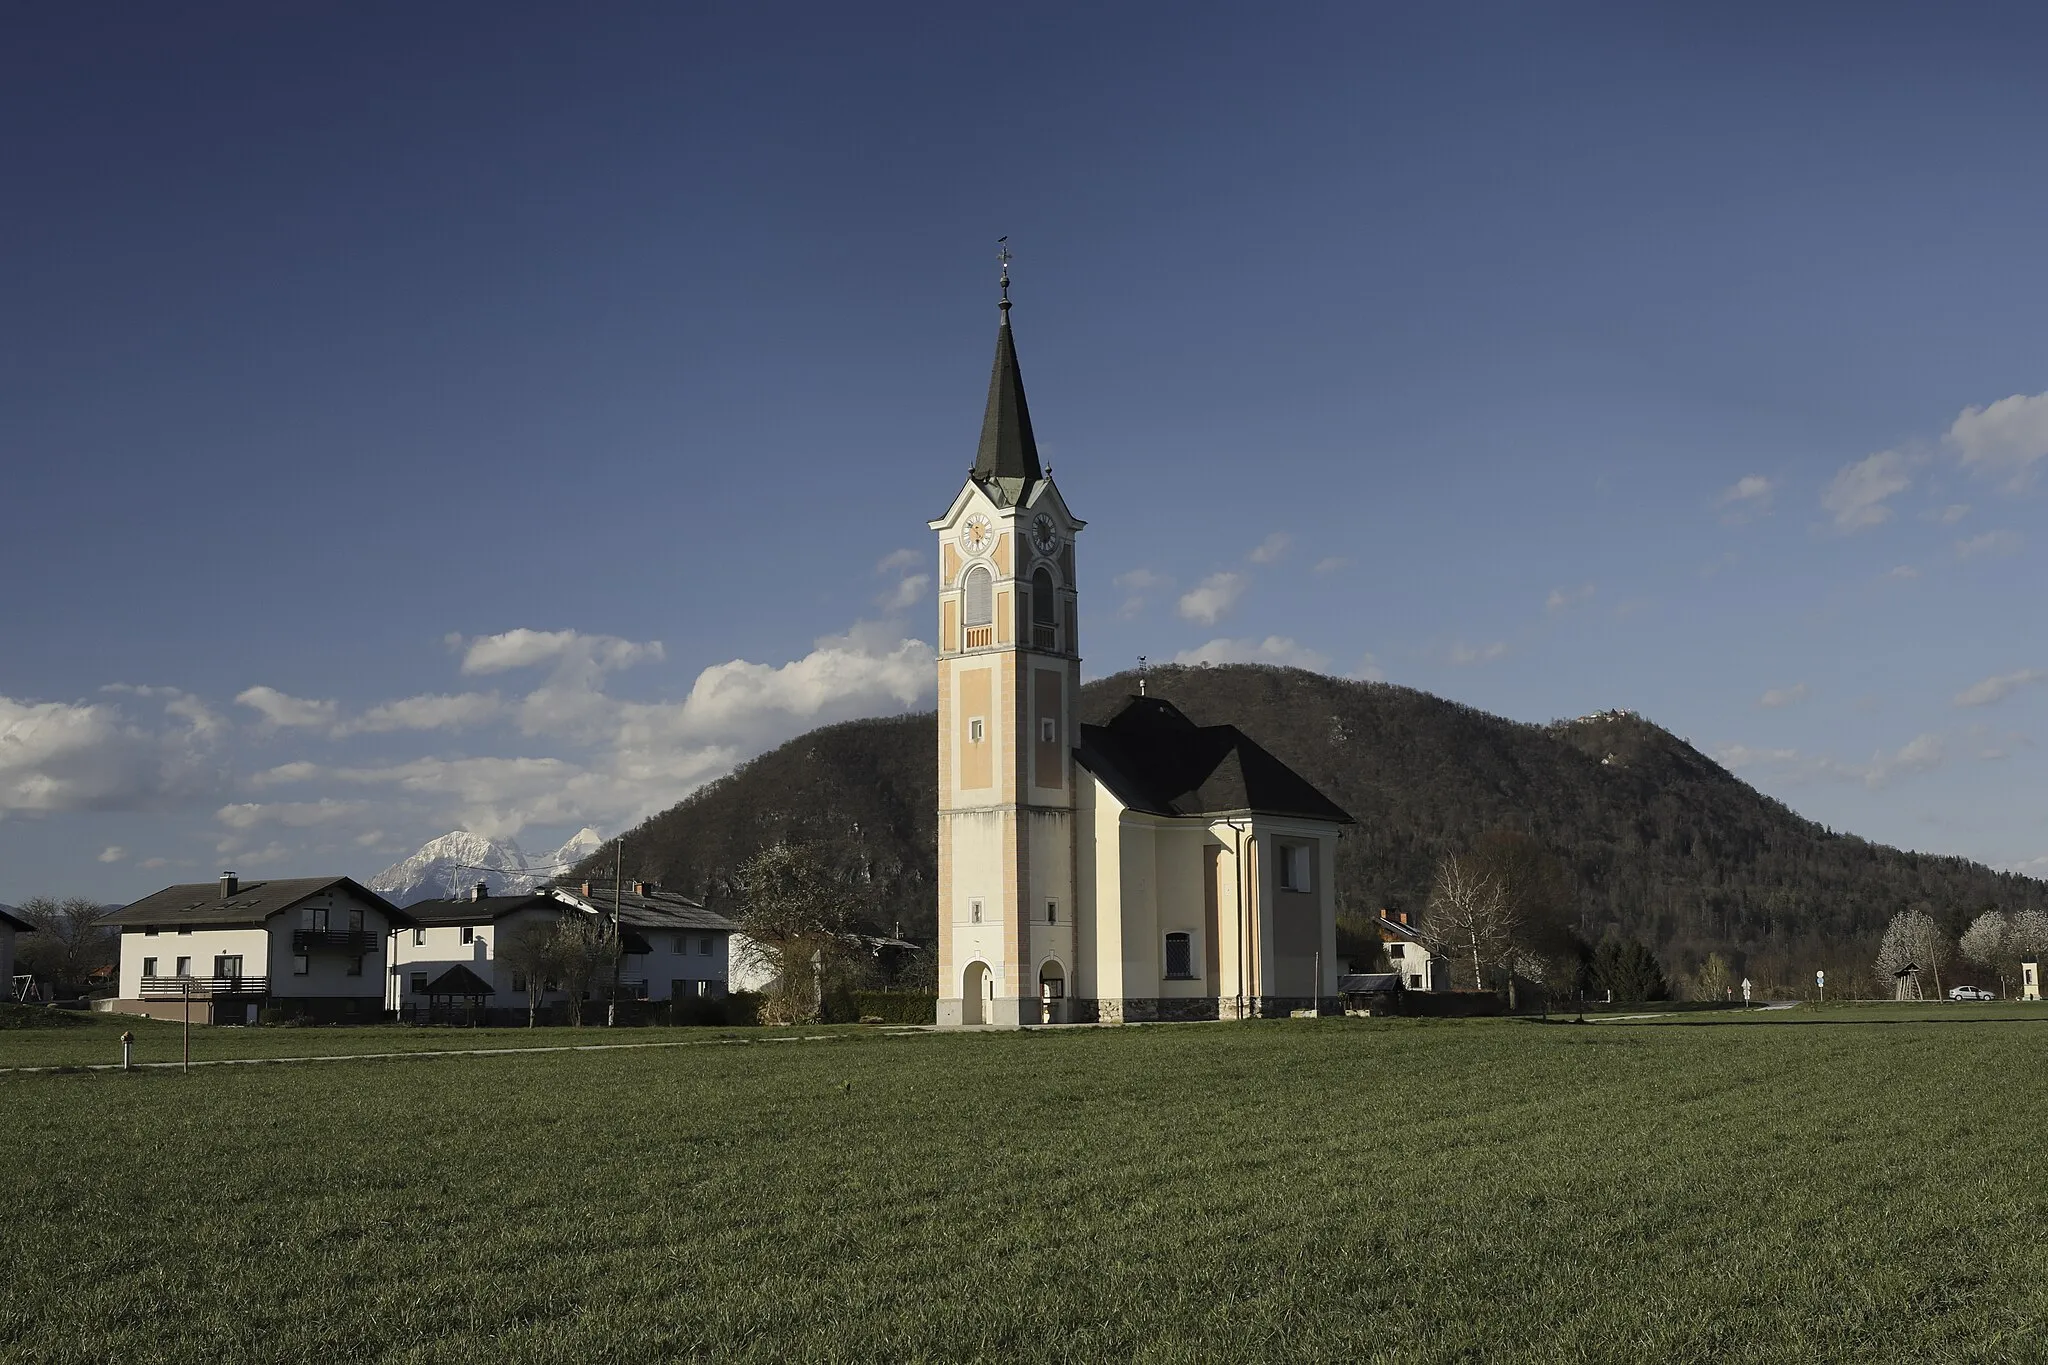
x=1150, y=868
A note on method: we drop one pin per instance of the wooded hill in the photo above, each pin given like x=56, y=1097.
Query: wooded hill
x=1661, y=842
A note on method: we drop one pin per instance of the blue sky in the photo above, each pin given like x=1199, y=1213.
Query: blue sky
x=428, y=417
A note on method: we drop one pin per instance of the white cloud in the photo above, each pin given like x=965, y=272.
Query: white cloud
x=434, y=712
x=1208, y=601
x=286, y=773
x=896, y=561
x=1137, y=586
x=1949, y=515
x=1270, y=549
x=1989, y=543
x=112, y=853
x=1369, y=670
x=566, y=649
x=1749, y=496
x=1462, y=654
x=1856, y=498
x=2003, y=440
x=1274, y=649
x=1561, y=599
x=1783, y=696
x=2000, y=686
x=907, y=593
x=291, y=814
x=154, y=863
x=60, y=756
x=1921, y=755
x=1902, y=572
x=282, y=712
x=1330, y=564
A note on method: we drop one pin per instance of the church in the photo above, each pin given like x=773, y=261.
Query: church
x=1150, y=868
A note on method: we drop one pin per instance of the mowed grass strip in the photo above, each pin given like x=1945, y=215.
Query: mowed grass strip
x=1333, y=1190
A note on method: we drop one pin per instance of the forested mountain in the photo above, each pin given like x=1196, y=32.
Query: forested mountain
x=1660, y=841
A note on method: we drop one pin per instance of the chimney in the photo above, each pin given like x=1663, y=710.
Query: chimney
x=1404, y=916
x=585, y=890
x=479, y=891
x=645, y=888
x=229, y=885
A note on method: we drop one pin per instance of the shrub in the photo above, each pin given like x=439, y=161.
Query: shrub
x=38, y=1016
x=897, y=1007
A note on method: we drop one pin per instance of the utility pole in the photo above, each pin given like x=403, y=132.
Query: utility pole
x=611, y=1009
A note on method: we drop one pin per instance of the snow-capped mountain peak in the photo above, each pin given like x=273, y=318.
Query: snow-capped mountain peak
x=455, y=862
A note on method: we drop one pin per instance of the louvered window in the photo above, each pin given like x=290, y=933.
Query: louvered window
x=977, y=607
x=1043, y=604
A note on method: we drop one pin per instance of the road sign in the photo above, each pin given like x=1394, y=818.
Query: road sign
x=1820, y=983
x=1745, y=990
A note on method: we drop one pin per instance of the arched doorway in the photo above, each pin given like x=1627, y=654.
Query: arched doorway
x=1052, y=992
x=974, y=990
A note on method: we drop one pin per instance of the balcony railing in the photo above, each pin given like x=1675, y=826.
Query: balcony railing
x=354, y=942
x=1044, y=636
x=202, y=987
x=980, y=637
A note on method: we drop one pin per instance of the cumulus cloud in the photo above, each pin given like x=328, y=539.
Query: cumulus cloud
x=1269, y=550
x=1783, y=696
x=1856, y=497
x=1274, y=649
x=2000, y=686
x=1329, y=564
x=1949, y=515
x=2003, y=440
x=1369, y=670
x=1563, y=599
x=103, y=756
x=898, y=561
x=907, y=593
x=1209, y=600
x=1749, y=496
x=1902, y=572
x=524, y=648
x=1989, y=543
x=282, y=712
x=1463, y=654
x=112, y=853
x=285, y=774
x=1137, y=586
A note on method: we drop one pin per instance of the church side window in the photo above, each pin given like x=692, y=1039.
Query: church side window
x=977, y=607
x=1180, y=957
x=1294, y=874
x=1043, y=604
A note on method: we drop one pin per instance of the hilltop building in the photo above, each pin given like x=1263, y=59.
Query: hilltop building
x=1148, y=868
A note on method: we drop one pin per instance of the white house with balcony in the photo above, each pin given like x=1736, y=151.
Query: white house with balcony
x=1408, y=956
x=311, y=947
x=674, y=948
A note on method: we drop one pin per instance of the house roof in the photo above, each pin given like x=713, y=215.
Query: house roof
x=475, y=910
x=7, y=916
x=459, y=980
x=664, y=911
x=1153, y=758
x=1368, y=983
x=253, y=902
x=1006, y=463
x=1390, y=927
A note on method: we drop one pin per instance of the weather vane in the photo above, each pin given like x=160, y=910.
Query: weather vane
x=1141, y=675
x=1003, y=258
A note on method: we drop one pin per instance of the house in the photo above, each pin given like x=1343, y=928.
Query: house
x=10, y=925
x=673, y=947
x=1149, y=868
x=311, y=947
x=1407, y=954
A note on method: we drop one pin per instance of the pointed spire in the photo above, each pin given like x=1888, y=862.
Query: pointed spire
x=1008, y=449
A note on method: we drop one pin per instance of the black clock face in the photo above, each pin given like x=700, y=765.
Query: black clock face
x=1044, y=534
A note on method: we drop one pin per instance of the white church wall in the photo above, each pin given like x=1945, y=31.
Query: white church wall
x=1180, y=907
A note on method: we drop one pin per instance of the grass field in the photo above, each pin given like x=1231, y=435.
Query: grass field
x=1804, y=1185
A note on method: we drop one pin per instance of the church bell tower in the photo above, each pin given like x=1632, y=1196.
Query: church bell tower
x=1009, y=677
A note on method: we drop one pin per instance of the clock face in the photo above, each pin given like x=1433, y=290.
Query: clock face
x=975, y=536
x=1044, y=534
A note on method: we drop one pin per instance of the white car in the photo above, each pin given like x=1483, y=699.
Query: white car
x=1970, y=993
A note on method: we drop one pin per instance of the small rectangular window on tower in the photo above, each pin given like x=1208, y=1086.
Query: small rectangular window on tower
x=1294, y=875
x=974, y=912
x=1052, y=912
x=1048, y=729
x=974, y=730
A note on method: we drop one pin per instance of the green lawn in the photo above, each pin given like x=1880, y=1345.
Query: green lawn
x=1288, y=1191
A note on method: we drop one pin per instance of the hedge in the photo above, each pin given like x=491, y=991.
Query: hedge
x=897, y=1007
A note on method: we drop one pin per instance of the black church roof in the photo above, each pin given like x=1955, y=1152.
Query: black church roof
x=1006, y=463
x=1154, y=759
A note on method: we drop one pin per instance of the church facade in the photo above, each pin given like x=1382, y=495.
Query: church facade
x=1147, y=868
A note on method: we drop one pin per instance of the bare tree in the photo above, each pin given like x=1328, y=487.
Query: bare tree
x=1469, y=914
x=1912, y=938
x=531, y=952
x=1988, y=943
x=71, y=941
x=797, y=917
x=1712, y=980
x=585, y=952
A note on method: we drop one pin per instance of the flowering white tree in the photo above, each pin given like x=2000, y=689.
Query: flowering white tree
x=1988, y=943
x=1912, y=938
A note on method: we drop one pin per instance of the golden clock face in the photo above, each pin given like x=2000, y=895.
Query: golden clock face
x=1044, y=534
x=975, y=534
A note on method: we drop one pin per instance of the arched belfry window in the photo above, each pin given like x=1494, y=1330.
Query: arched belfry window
x=1044, y=602
x=977, y=607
